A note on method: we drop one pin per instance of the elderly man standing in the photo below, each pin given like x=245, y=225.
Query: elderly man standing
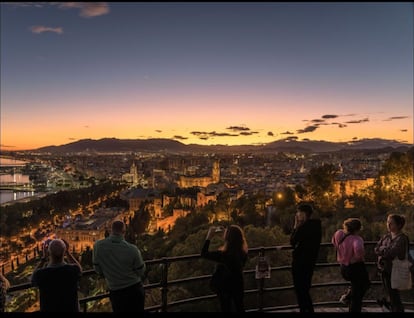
x=123, y=268
x=58, y=281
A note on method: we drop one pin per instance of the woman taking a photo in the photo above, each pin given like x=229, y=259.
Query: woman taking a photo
x=230, y=258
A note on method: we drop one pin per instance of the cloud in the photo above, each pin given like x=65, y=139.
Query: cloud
x=40, y=29
x=290, y=138
x=87, y=9
x=24, y=4
x=307, y=129
x=269, y=133
x=158, y=131
x=6, y=146
x=206, y=135
x=71, y=138
x=215, y=134
x=287, y=133
x=329, y=116
x=238, y=128
x=403, y=130
x=396, y=117
x=357, y=121
x=317, y=120
x=355, y=138
x=340, y=125
x=180, y=137
x=86, y=126
x=248, y=133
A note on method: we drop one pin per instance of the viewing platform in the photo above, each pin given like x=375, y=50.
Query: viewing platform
x=273, y=295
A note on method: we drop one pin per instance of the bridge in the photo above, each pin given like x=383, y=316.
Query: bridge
x=261, y=295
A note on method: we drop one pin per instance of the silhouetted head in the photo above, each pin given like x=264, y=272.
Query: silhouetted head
x=352, y=225
x=305, y=208
x=57, y=249
x=235, y=239
x=118, y=227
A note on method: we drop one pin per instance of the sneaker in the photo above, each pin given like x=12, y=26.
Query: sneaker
x=344, y=299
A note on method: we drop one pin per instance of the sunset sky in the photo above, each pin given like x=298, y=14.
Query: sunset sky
x=207, y=73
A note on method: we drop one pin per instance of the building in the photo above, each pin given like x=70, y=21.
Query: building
x=204, y=181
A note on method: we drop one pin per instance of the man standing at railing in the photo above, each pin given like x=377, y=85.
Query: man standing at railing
x=58, y=281
x=305, y=240
x=122, y=266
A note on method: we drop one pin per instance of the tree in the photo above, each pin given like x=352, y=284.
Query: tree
x=320, y=182
x=394, y=186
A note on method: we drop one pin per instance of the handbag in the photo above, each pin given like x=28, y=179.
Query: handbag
x=401, y=274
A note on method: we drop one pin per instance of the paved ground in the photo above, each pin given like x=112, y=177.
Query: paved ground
x=342, y=309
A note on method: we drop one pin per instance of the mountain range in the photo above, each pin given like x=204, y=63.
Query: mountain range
x=110, y=145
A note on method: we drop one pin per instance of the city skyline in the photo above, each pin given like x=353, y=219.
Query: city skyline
x=205, y=73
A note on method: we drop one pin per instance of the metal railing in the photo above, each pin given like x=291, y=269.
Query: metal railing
x=164, y=284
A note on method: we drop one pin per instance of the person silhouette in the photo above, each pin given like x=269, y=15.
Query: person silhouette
x=393, y=244
x=123, y=268
x=230, y=258
x=305, y=240
x=58, y=281
x=351, y=257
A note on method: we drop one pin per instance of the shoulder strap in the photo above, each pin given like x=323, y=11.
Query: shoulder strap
x=408, y=247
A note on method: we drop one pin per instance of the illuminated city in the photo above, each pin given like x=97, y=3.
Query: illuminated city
x=176, y=117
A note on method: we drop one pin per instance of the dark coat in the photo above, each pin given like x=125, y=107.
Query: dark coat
x=306, y=240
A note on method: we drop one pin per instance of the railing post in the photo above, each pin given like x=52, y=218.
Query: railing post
x=261, y=285
x=164, y=285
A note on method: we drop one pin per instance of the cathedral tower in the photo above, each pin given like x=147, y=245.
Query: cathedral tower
x=215, y=174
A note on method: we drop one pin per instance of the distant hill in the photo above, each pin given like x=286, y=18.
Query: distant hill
x=107, y=145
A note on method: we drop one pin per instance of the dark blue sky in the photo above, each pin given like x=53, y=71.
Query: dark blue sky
x=93, y=71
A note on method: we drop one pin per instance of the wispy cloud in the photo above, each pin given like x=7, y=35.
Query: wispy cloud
x=248, y=133
x=6, y=146
x=317, y=120
x=40, y=29
x=357, y=121
x=87, y=9
x=307, y=129
x=180, y=137
x=396, y=117
x=237, y=128
x=329, y=116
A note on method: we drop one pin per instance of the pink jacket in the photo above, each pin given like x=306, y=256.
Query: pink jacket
x=351, y=250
